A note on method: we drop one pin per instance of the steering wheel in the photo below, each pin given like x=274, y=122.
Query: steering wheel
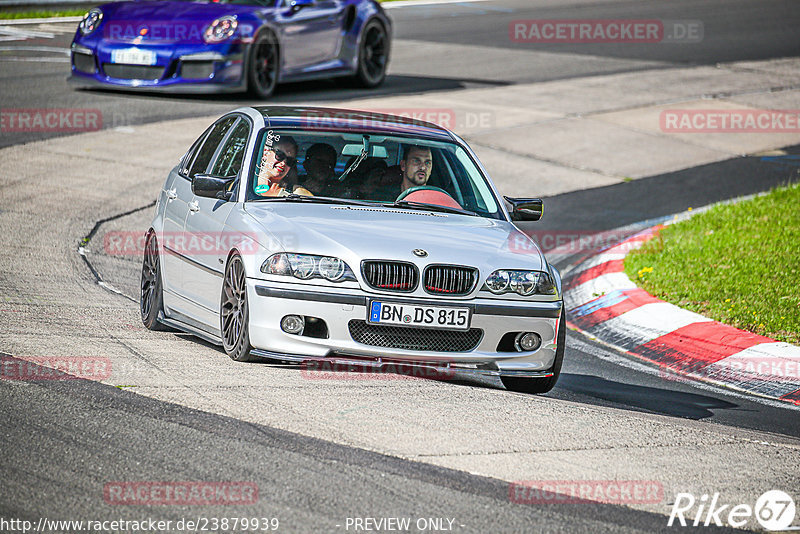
x=428, y=194
x=410, y=190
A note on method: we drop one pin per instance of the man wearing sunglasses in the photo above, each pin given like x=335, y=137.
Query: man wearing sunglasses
x=278, y=160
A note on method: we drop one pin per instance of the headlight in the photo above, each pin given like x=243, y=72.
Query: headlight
x=91, y=21
x=332, y=268
x=303, y=267
x=498, y=282
x=523, y=283
x=308, y=266
x=221, y=29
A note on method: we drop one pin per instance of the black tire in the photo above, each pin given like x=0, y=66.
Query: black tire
x=151, y=296
x=373, y=55
x=262, y=66
x=234, y=313
x=542, y=385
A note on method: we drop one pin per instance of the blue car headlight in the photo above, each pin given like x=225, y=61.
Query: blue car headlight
x=91, y=21
x=523, y=283
x=307, y=266
x=221, y=29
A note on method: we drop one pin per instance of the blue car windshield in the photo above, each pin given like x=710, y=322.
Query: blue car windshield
x=371, y=168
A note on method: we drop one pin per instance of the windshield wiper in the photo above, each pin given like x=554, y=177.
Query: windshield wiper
x=294, y=197
x=429, y=207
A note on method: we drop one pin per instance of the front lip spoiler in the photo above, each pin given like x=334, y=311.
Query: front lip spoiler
x=381, y=363
x=86, y=82
x=549, y=310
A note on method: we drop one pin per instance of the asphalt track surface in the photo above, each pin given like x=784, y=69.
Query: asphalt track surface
x=439, y=47
x=62, y=440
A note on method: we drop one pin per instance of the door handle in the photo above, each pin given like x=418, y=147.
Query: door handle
x=194, y=206
x=172, y=194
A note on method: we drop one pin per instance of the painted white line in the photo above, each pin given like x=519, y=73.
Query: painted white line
x=36, y=59
x=25, y=34
x=40, y=21
x=414, y=3
x=650, y=321
x=50, y=49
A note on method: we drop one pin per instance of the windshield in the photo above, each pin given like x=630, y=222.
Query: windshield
x=366, y=168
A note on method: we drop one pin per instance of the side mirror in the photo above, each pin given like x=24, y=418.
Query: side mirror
x=204, y=185
x=526, y=209
x=297, y=5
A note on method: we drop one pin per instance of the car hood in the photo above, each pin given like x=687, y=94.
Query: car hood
x=164, y=20
x=355, y=233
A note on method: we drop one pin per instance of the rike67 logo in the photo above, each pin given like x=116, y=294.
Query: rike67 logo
x=774, y=510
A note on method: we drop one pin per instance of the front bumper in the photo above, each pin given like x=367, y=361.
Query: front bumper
x=270, y=302
x=211, y=69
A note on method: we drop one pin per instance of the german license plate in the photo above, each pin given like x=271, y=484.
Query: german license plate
x=393, y=313
x=133, y=56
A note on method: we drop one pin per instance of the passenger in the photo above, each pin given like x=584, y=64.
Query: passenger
x=370, y=185
x=278, y=159
x=320, y=165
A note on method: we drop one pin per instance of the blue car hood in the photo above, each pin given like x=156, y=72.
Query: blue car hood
x=168, y=21
x=171, y=11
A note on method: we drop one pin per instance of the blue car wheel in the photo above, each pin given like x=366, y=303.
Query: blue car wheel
x=262, y=72
x=373, y=55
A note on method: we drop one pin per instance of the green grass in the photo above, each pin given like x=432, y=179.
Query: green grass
x=42, y=14
x=738, y=264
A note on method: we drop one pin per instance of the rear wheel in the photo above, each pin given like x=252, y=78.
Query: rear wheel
x=542, y=385
x=235, y=313
x=262, y=72
x=373, y=55
x=151, y=298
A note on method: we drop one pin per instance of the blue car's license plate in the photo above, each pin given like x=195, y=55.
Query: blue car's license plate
x=393, y=313
x=133, y=56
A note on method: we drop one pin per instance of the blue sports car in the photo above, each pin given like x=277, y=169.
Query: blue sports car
x=229, y=45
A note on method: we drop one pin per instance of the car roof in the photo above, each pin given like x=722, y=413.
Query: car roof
x=318, y=118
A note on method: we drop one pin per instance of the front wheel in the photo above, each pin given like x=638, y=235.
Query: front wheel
x=151, y=297
x=262, y=71
x=373, y=55
x=235, y=313
x=542, y=385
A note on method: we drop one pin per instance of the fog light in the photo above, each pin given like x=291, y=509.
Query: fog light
x=527, y=341
x=293, y=324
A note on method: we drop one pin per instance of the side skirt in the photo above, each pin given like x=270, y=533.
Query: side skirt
x=185, y=326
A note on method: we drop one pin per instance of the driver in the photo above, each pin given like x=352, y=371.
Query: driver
x=416, y=166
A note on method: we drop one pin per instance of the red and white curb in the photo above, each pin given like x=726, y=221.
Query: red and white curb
x=604, y=303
